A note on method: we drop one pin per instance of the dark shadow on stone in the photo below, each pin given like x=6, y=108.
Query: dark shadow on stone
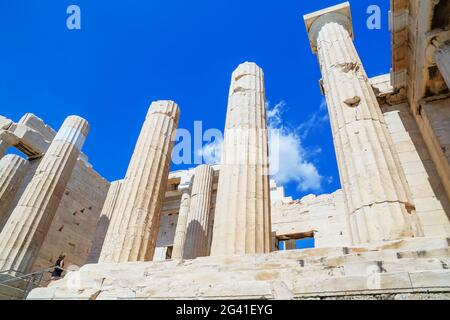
x=196, y=237
x=414, y=133
x=99, y=238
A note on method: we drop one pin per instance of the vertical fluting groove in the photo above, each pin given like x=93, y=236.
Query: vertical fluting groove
x=242, y=215
x=196, y=243
x=3, y=147
x=104, y=222
x=27, y=226
x=377, y=195
x=12, y=171
x=138, y=209
x=180, y=231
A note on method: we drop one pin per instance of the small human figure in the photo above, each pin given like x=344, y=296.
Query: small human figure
x=59, y=267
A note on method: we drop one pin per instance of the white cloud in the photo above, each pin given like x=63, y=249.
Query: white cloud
x=274, y=114
x=317, y=119
x=288, y=158
x=211, y=152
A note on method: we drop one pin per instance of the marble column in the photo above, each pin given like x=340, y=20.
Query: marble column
x=242, y=214
x=376, y=193
x=12, y=171
x=199, y=217
x=443, y=61
x=26, y=228
x=139, y=205
x=104, y=221
x=180, y=231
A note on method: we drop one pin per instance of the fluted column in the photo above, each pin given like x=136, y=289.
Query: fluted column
x=197, y=227
x=374, y=185
x=139, y=205
x=104, y=221
x=180, y=231
x=443, y=61
x=12, y=171
x=242, y=215
x=28, y=224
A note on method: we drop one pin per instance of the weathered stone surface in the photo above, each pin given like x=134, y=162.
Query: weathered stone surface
x=377, y=196
x=322, y=217
x=27, y=226
x=427, y=191
x=199, y=216
x=104, y=221
x=278, y=275
x=73, y=228
x=418, y=29
x=5, y=124
x=133, y=236
x=30, y=135
x=12, y=171
x=33, y=135
x=382, y=127
x=3, y=146
x=242, y=216
x=435, y=123
x=180, y=231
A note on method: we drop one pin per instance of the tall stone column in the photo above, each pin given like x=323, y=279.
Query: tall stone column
x=242, y=215
x=139, y=205
x=12, y=171
x=377, y=195
x=443, y=61
x=180, y=231
x=104, y=221
x=197, y=227
x=28, y=224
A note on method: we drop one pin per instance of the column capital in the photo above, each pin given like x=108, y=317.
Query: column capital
x=74, y=131
x=168, y=108
x=186, y=188
x=316, y=20
x=203, y=167
x=186, y=181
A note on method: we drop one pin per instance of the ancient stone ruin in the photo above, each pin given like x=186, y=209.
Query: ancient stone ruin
x=216, y=231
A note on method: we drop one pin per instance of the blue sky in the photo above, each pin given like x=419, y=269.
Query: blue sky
x=129, y=53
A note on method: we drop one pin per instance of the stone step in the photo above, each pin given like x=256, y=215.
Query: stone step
x=423, y=281
x=190, y=275
x=385, y=255
x=367, y=262
x=263, y=272
x=283, y=262
x=429, y=248
x=436, y=279
x=400, y=266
